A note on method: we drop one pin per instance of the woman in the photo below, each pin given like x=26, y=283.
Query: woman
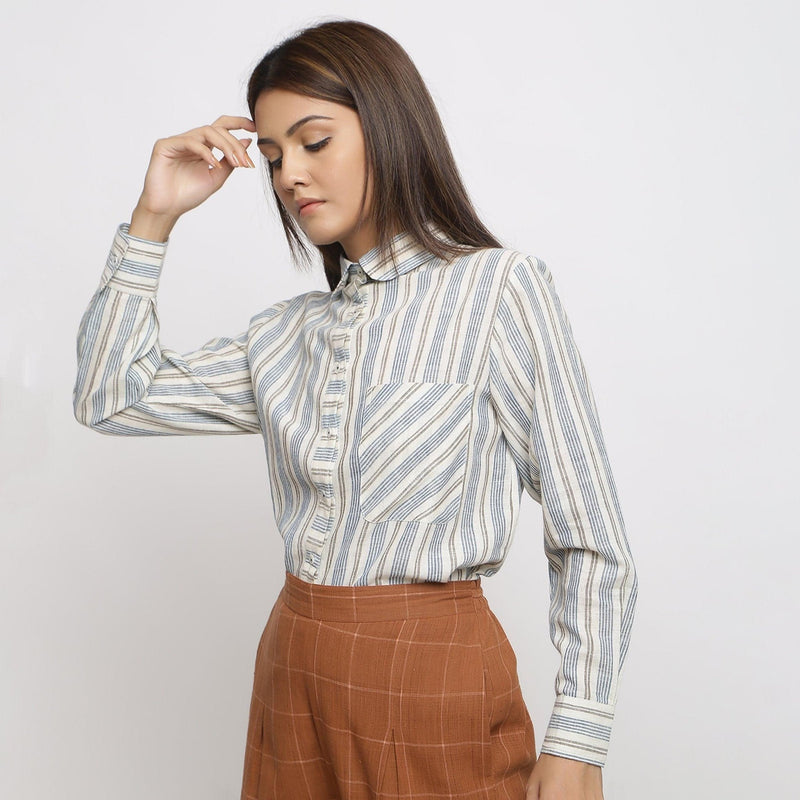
x=402, y=413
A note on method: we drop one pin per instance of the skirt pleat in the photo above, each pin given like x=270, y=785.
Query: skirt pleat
x=396, y=691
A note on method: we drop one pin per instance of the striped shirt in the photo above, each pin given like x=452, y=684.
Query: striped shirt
x=402, y=414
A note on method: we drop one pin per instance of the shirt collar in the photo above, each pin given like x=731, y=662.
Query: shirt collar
x=405, y=253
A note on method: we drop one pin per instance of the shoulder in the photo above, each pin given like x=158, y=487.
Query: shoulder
x=288, y=308
x=513, y=269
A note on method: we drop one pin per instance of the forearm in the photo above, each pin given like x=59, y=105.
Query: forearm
x=117, y=347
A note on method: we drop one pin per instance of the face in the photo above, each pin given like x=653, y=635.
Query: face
x=317, y=152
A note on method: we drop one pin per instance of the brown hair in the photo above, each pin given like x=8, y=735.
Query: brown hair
x=415, y=178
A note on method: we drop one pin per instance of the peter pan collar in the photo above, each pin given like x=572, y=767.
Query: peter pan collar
x=405, y=253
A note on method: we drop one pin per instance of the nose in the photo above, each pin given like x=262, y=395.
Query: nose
x=293, y=170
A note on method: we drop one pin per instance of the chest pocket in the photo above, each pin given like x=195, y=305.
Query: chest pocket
x=412, y=450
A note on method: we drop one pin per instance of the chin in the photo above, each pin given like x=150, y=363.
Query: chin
x=319, y=237
x=320, y=240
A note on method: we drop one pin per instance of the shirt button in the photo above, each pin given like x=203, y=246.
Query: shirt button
x=116, y=259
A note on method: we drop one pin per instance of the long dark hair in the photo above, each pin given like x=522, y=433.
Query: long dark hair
x=415, y=178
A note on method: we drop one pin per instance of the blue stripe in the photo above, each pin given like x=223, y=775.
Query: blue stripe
x=402, y=416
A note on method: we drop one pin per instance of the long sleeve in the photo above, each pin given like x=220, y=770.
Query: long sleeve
x=544, y=401
x=128, y=384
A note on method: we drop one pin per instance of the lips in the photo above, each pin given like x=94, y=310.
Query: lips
x=308, y=204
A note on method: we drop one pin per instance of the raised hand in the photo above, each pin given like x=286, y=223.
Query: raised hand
x=183, y=172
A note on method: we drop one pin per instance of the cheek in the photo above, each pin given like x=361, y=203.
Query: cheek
x=346, y=164
x=349, y=171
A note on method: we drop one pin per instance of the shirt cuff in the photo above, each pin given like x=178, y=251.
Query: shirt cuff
x=579, y=729
x=133, y=264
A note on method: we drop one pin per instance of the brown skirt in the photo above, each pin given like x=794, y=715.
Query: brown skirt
x=406, y=690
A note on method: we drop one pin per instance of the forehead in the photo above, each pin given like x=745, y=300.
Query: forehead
x=277, y=109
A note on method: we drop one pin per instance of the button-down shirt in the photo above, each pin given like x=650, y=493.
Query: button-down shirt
x=402, y=414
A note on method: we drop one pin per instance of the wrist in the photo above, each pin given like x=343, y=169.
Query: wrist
x=147, y=225
x=570, y=763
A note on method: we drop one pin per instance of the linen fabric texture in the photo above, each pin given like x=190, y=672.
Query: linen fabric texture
x=402, y=414
x=393, y=691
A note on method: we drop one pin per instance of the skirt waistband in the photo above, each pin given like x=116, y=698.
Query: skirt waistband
x=386, y=602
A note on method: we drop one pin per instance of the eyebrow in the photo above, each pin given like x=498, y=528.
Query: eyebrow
x=293, y=128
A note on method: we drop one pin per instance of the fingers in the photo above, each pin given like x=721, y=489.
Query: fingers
x=230, y=123
x=201, y=149
x=227, y=122
x=177, y=146
x=221, y=138
x=201, y=141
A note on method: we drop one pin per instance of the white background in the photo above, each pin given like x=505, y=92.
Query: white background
x=647, y=151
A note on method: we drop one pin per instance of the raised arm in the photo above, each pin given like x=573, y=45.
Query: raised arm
x=127, y=383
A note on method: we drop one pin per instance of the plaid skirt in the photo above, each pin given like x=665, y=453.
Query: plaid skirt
x=396, y=691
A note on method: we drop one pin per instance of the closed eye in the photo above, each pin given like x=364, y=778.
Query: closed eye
x=318, y=145
x=315, y=147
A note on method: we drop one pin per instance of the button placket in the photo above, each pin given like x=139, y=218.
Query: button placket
x=331, y=407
